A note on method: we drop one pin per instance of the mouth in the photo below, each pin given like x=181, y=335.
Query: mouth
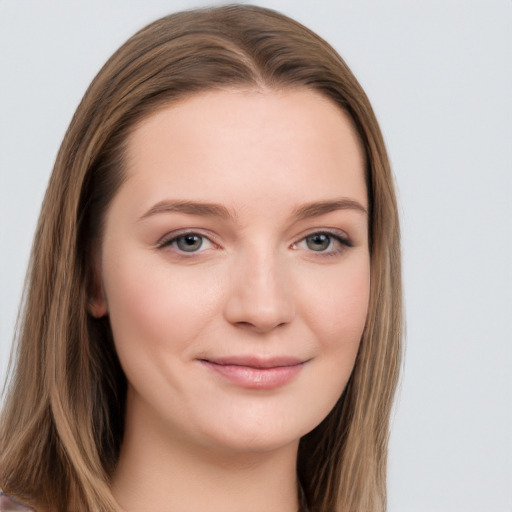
x=255, y=372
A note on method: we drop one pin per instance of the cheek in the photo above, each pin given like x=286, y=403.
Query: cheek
x=339, y=306
x=154, y=310
x=337, y=314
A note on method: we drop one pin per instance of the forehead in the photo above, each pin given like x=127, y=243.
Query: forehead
x=238, y=144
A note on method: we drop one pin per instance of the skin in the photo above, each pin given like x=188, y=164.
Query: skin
x=257, y=286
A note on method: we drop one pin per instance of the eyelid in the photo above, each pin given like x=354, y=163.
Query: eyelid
x=334, y=232
x=339, y=236
x=168, y=238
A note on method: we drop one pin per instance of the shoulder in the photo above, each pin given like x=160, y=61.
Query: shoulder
x=9, y=504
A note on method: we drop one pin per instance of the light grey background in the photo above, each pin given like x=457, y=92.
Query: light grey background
x=438, y=73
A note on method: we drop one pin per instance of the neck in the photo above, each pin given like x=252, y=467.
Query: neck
x=157, y=472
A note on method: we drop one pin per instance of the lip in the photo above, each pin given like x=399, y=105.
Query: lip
x=254, y=372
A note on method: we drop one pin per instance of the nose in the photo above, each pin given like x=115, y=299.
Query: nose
x=260, y=297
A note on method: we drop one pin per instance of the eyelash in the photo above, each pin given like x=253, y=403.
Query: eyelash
x=335, y=238
x=338, y=242
x=173, y=238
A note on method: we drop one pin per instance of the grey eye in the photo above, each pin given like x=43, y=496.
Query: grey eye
x=318, y=242
x=189, y=243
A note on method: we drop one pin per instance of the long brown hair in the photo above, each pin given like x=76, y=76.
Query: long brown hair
x=62, y=423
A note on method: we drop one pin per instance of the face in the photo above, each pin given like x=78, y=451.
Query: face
x=235, y=267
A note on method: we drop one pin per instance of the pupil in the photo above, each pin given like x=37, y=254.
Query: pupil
x=318, y=242
x=189, y=243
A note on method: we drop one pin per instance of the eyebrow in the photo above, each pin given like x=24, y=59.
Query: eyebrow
x=321, y=208
x=189, y=208
x=307, y=211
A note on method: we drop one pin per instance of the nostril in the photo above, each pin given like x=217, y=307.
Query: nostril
x=260, y=326
x=243, y=324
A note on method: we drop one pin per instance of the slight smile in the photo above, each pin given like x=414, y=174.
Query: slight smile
x=256, y=373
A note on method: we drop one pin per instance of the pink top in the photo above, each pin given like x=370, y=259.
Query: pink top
x=9, y=504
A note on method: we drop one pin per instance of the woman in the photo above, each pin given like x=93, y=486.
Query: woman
x=212, y=316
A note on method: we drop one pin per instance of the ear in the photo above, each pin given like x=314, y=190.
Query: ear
x=97, y=303
x=97, y=306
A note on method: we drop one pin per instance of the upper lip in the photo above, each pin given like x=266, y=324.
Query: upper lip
x=255, y=361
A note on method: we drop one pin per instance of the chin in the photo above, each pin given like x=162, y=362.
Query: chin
x=262, y=430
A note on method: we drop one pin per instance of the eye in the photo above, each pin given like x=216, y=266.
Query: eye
x=318, y=241
x=323, y=242
x=189, y=243
x=186, y=243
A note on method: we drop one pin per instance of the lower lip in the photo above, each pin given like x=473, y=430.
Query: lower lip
x=256, y=378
